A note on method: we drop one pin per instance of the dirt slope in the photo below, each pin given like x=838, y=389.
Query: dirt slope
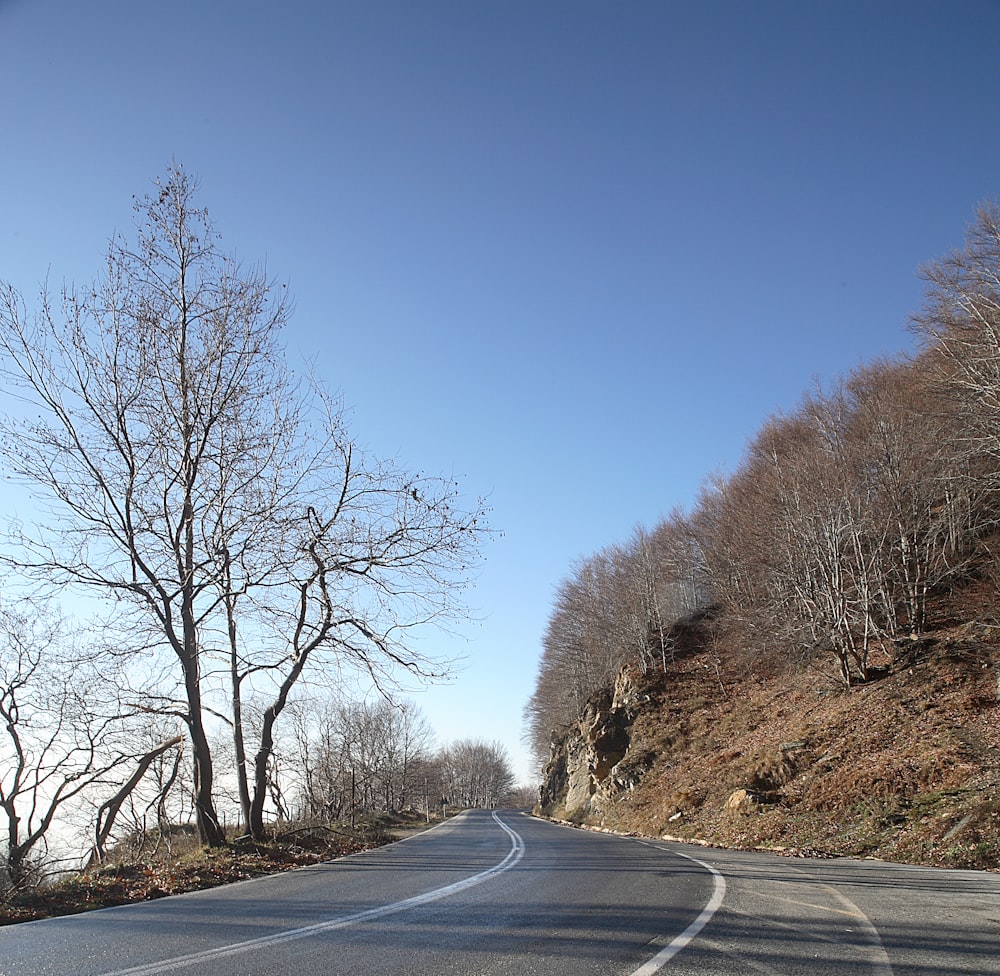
x=905, y=767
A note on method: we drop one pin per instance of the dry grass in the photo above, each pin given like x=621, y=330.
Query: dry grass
x=906, y=767
x=186, y=866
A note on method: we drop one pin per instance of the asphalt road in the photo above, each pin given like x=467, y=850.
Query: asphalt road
x=503, y=893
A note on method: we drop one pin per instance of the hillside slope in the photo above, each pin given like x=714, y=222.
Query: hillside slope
x=905, y=767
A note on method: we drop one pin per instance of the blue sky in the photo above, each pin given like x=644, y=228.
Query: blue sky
x=573, y=253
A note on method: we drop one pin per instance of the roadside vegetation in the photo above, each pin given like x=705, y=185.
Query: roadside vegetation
x=145, y=867
x=847, y=570
x=905, y=767
x=212, y=595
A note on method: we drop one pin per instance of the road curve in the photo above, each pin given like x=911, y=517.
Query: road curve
x=503, y=893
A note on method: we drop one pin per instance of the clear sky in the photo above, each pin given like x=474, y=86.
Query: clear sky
x=573, y=253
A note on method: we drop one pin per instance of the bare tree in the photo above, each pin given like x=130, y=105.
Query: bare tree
x=579, y=655
x=63, y=732
x=960, y=323
x=842, y=518
x=658, y=580
x=909, y=463
x=194, y=482
x=618, y=606
x=107, y=812
x=750, y=551
x=367, y=755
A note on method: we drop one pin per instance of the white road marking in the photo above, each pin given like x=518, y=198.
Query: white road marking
x=667, y=953
x=877, y=957
x=514, y=855
x=880, y=963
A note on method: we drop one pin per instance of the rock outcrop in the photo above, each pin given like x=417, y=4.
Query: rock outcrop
x=584, y=770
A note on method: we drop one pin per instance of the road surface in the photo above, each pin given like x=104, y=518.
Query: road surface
x=503, y=893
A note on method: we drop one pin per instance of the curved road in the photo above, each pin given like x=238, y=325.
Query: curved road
x=503, y=893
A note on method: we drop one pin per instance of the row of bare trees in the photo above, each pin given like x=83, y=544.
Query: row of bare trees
x=840, y=522
x=373, y=756
x=618, y=605
x=475, y=773
x=73, y=746
x=843, y=518
x=211, y=506
x=381, y=756
x=86, y=769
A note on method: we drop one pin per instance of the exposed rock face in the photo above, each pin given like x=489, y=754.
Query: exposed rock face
x=580, y=778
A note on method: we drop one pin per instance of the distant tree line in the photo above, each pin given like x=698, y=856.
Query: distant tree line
x=826, y=542
x=380, y=757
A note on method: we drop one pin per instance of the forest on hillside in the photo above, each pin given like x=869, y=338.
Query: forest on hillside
x=825, y=545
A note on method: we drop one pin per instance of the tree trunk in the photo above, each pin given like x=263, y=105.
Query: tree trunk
x=239, y=740
x=108, y=811
x=209, y=830
x=14, y=855
x=239, y=745
x=256, y=819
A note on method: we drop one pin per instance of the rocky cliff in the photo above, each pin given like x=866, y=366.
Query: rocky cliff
x=587, y=768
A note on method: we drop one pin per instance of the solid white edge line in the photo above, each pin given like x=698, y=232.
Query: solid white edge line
x=667, y=953
x=514, y=855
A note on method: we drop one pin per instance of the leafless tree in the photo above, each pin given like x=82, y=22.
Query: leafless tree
x=960, y=325
x=750, y=551
x=578, y=653
x=796, y=550
x=618, y=606
x=64, y=732
x=659, y=579
x=909, y=464
x=108, y=811
x=196, y=484
x=841, y=518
